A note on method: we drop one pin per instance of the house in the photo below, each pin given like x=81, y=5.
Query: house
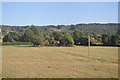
x=56, y=42
x=45, y=42
x=93, y=40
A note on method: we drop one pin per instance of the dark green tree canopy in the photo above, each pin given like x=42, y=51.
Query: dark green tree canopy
x=105, y=39
x=34, y=29
x=61, y=36
x=28, y=36
x=115, y=39
x=11, y=37
x=76, y=36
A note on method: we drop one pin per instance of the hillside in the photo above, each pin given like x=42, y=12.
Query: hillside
x=96, y=28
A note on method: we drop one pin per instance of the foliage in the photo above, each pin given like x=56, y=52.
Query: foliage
x=76, y=36
x=105, y=39
x=57, y=35
x=11, y=37
x=110, y=40
x=83, y=40
x=96, y=28
x=61, y=35
x=34, y=29
x=27, y=36
x=114, y=40
x=51, y=40
x=67, y=40
x=37, y=40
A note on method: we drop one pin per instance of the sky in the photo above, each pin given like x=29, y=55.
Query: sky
x=58, y=13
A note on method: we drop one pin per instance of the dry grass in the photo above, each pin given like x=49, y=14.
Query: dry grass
x=0, y=61
x=60, y=62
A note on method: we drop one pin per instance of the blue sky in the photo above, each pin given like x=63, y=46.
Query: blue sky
x=55, y=13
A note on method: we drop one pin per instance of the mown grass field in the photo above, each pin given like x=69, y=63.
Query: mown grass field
x=59, y=62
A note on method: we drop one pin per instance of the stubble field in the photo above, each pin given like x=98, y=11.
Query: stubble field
x=59, y=62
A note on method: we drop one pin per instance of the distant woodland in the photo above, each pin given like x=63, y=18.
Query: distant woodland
x=96, y=28
x=63, y=35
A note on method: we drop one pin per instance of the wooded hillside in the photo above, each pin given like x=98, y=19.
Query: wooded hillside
x=110, y=28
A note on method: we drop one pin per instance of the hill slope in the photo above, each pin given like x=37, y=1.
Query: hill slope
x=110, y=28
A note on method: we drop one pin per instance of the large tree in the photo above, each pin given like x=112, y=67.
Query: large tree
x=114, y=40
x=57, y=35
x=11, y=37
x=105, y=39
x=67, y=40
x=37, y=40
x=76, y=36
x=28, y=36
x=83, y=40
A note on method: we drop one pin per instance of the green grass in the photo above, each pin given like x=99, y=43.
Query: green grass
x=60, y=62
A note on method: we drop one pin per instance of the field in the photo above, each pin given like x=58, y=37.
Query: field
x=59, y=62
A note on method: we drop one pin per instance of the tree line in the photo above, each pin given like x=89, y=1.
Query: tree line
x=97, y=28
x=60, y=38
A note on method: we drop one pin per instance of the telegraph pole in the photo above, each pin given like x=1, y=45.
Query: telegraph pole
x=88, y=45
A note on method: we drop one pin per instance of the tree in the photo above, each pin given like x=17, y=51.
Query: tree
x=11, y=37
x=83, y=40
x=114, y=40
x=34, y=29
x=99, y=39
x=41, y=35
x=28, y=36
x=57, y=35
x=67, y=40
x=37, y=40
x=51, y=40
x=105, y=39
x=76, y=36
